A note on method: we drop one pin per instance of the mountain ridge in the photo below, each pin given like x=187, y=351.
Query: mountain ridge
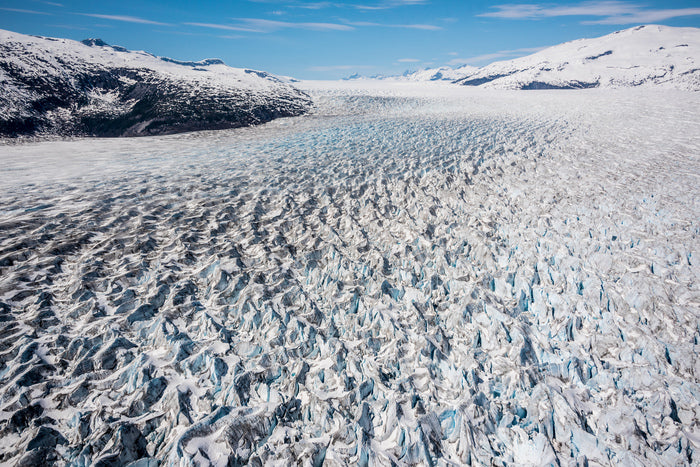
x=61, y=87
x=439, y=74
x=646, y=55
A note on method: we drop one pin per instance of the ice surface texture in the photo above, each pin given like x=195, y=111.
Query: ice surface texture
x=429, y=276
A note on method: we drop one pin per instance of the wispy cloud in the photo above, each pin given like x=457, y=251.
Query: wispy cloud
x=69, y=26
x=386, y=4
x=31, y=12
x=298, y=4
x=425, y=27
x=225, y=27
x=650, y=16
x=270, y=25
x=377, y=5
x=126, y=19
x=613, y=12
x=338, y=68
x=529, y=11
x=266, y=26
x=480, y=59
x=313, y=5
x=408, y=60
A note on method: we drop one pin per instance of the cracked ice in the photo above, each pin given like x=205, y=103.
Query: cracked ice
x=407, y=275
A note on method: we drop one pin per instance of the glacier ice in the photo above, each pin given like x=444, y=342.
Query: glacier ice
x=407, y=275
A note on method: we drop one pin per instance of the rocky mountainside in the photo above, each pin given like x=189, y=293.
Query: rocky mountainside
x=642, y=56
x=64, y=87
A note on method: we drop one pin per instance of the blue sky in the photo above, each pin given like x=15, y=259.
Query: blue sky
x=312, y=39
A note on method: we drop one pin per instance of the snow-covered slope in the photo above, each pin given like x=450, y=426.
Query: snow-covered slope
x=60, y=86
x=642, y=56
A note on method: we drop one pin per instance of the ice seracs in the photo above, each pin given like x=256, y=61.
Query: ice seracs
x=413, y=275
x=64, y=87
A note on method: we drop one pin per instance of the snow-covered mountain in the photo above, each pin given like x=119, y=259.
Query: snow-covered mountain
x=444, y=73
x=441, y=74
x=641, y=56
x=60, y=86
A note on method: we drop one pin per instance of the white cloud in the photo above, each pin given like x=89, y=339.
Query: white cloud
x=524, y=11
x=69, y=26
x=338, y=67
x=645, y=17
x=379, y=5
x=386, y=4
x=267, y=26
x=478, y=59
x=314, y=5
x=408, y=60
x=297, y=4
x=225, y=27
x=613, y=12
x=425, y=27
x=127, y=19
x=31, y=12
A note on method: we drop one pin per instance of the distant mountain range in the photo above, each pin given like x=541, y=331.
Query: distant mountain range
x=642, y=56
x=64, y=87
x=442, y=74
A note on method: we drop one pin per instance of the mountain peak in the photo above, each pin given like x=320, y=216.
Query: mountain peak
x=205, y=62
x=91, y=42
x=100, y=43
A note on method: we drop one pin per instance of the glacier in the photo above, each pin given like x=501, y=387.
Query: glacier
x=409, y=274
